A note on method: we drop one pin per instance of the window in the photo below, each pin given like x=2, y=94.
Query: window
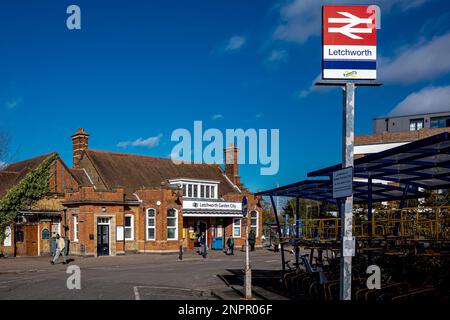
x=129, y=228
x=440, y=122
x=415, y=124
x=151, y=224
x=75, y=228
x=202, y=191
x=254, y=222
x=195, y=191
x=19, y=236
x=199, y=190
x=172, y=224
x=45, y=234
x=237, y=227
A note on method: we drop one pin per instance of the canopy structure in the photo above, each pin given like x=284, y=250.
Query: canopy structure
x=420, y=164
x=424, y=163
x=322, y=190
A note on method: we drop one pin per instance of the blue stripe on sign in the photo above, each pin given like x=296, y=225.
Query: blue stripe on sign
x=349, y=64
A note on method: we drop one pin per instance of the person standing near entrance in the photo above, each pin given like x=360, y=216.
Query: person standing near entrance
x=60, y=246
x=230, y=245
x=202, y=241
x=252, y=240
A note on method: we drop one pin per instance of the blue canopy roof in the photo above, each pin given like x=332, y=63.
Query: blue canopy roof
x=423, y=163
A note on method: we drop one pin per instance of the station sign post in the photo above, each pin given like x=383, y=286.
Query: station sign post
x=349, y=46
x=248, y=270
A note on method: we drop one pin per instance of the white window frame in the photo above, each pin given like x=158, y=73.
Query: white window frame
x=237, y=226
x=75, y=229
x=176, y=224
x=257, y=222
x=130, y=227
x=150, y=227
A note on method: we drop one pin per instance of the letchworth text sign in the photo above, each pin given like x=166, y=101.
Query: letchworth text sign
x=349, y=43
x=212, y=205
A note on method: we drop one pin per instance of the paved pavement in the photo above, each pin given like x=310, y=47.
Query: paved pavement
x=134, y=276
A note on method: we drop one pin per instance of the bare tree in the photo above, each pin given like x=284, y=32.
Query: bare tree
x=4, y=147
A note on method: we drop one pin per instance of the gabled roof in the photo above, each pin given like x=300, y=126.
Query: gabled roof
x=133, y=172
x=14, y=172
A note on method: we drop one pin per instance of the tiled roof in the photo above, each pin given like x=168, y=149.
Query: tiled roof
x=133, y=172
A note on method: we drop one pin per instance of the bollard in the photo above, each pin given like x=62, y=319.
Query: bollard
x=180, y=257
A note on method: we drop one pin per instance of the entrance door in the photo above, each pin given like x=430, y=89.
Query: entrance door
x=102, y=240
x=31, y=236
x=201, y=227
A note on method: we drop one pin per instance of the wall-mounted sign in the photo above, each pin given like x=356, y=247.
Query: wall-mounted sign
x=244, y=206
x=119, y=233
x=343, y=183
x=212, y=205
x=349, y=42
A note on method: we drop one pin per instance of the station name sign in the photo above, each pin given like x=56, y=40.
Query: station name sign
x=212, y=205
x=349, y=41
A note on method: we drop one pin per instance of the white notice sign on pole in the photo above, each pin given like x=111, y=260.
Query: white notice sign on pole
x=343, y=183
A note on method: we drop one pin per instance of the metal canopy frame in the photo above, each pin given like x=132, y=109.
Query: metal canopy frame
x=322, y=190
x=423, y=163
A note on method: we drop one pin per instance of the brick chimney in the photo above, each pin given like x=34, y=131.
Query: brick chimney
x=80, y=143
x=231, y=164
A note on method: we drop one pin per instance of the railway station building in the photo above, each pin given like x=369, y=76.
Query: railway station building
x=112, y=203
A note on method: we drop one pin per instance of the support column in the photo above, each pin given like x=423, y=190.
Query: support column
x=283, y=267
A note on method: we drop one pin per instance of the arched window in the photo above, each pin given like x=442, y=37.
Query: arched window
x=254, y=222
x=151, y=224
x=172, y=224
x=45, y=234
x=19, y=236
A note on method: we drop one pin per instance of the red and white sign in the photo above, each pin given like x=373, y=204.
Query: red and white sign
x=349, y=42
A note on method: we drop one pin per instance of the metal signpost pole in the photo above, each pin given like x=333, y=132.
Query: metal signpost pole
x=347, y=216
x=248, y=270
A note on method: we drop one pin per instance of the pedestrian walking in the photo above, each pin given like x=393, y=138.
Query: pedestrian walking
x=60, y=246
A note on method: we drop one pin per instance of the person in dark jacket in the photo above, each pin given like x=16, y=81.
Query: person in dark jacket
x=230, y=245
x=252, y=240
x=202, y=241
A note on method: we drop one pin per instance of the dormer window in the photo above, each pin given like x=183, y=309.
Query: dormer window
x=198, y=189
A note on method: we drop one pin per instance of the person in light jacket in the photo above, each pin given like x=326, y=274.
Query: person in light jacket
x=60, y=245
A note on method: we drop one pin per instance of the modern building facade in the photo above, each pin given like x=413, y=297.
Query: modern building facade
x=397, y=130
x=115, y=203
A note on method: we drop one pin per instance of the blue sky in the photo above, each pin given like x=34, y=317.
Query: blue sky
x=141, y=69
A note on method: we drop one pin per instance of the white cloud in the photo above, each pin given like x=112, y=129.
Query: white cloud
x=150, y=142
x=313, y=88
x=419, y=62
x=427, y=100
x=217, y=117
x=277, y=55
x=235, y=43
x=301, y=19
x=259, y=115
